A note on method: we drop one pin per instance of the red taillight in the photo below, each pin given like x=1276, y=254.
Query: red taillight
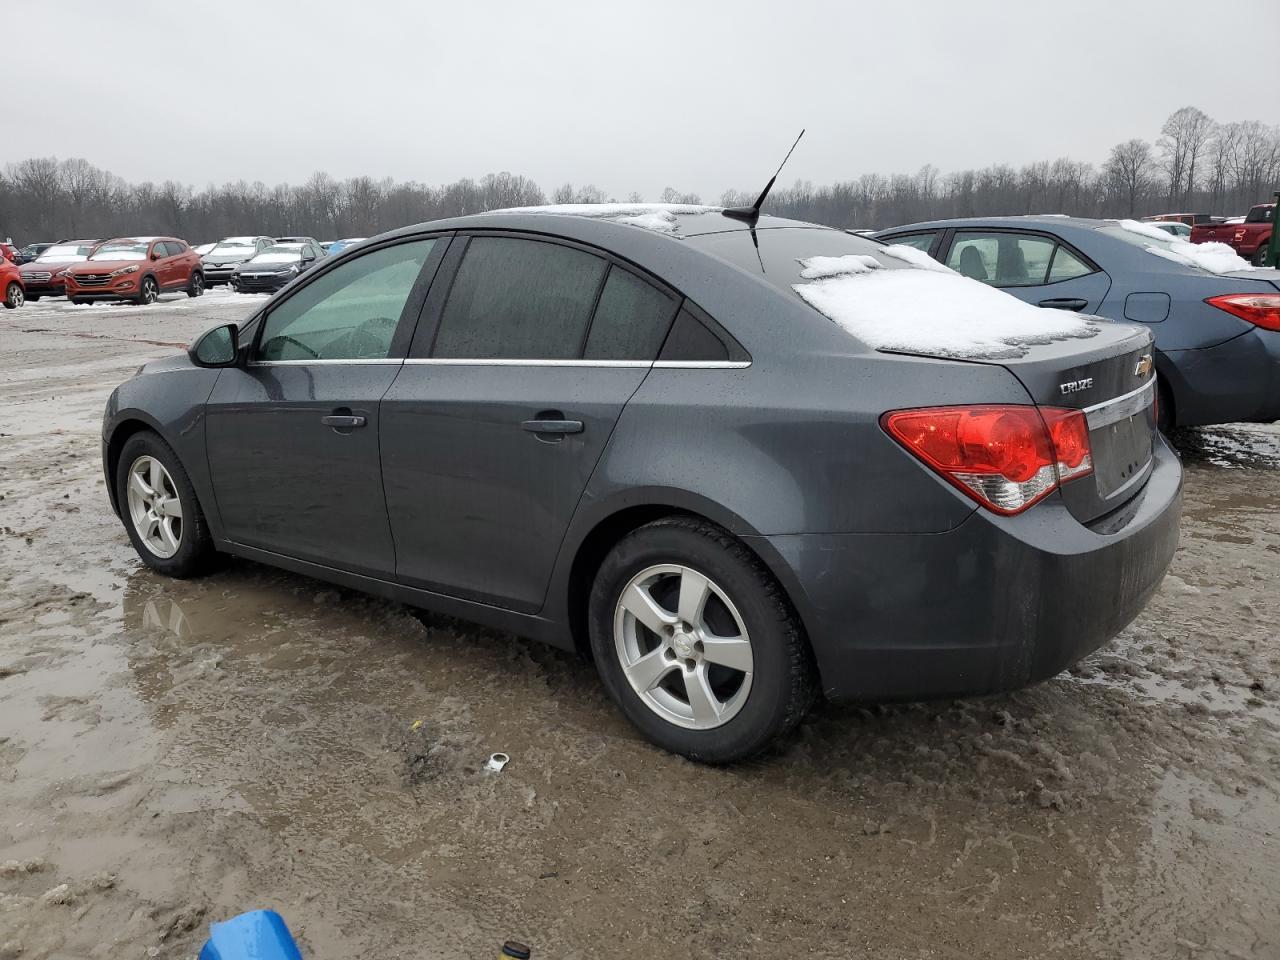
x=1260, y=309
x=1005, y=457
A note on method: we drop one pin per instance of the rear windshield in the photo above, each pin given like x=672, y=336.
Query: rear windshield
x=782, y=249
x=1261, y=215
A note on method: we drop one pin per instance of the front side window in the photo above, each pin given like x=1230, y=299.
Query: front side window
x=631, y=319
x=350, y=313
x=1001, y=259
x=516, y=299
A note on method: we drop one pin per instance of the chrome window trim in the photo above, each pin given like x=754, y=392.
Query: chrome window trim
x=295, y=363
x=635, y=364
x=1121, y=407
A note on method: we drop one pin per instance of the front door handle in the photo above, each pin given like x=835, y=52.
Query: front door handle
x=1064, y=303
x=343, y=421
x=553, y=426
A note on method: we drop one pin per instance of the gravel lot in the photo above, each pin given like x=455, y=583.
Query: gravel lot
x=173, y=753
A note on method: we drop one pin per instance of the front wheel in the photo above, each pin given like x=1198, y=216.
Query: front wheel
x=197, y=284
x=14, y=296
x=148, y=293
x=697, y=643
x=159, y=508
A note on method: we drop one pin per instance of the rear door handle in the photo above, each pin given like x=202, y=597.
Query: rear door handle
x=553, y=426
x=343, y=421
x=1064, y=303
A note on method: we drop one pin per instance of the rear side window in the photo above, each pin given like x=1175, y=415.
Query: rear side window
x=516, y=299
x=921, y=241
x=631, y=319
x=1066, y=266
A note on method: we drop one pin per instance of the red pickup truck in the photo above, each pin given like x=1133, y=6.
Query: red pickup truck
x=1249, y=239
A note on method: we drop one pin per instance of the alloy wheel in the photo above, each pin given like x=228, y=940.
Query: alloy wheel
x=683, y=646
x=149, y=292
x=155, y=508
x=14, y=297
x=197, y=285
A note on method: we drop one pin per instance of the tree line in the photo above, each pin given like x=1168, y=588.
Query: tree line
x=1196, y=165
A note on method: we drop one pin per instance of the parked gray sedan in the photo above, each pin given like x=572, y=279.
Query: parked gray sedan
x=737, y=463
x=1215, y=318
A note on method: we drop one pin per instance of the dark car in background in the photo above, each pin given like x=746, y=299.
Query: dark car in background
x=1215, y=319
x=137, y=269
x=223, y=257
x=273, y=267
x=30, y=252
x=45, y=276
x=738, y=466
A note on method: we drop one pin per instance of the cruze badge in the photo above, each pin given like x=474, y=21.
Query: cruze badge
x=1144, y=367
x=1075, y=386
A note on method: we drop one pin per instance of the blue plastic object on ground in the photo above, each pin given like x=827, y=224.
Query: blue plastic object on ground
x=256, y=935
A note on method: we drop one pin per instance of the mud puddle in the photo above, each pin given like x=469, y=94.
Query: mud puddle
x=175, y=752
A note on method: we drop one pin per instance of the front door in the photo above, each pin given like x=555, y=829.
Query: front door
x=293, y=436
x=491, y=432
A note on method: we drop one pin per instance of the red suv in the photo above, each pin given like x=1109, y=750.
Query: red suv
x=137, y=269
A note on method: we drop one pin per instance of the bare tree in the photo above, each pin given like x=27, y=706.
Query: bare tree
x=1182, y=143
x=1128, y=171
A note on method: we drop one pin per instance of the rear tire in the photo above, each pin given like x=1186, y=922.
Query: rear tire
x=35, y=298
x=14, y=296
x=175, y=544
x=197, y=285
x=1260, y=255
x=715, y=702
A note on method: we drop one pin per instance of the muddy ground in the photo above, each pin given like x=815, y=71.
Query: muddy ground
x=173, y=753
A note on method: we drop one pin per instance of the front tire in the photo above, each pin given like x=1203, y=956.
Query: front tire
x=148, y=293
x=1164, y=412
x=197, y=285
x=35, y=298
x=159, y=508
x=14, y=296
x=697, y=643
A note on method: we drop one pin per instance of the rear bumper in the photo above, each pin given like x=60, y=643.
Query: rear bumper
x=1233, y=382
x=992, y=605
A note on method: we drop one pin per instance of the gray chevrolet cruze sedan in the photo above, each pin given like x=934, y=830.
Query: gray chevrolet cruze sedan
x=737, y=463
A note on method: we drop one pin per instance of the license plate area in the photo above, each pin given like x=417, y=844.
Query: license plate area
x=1122, y=439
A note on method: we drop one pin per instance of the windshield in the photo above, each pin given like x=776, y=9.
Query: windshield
x=1261, y=215
x=65, y=252
x=279, y=254
x=234, y=247
x=121, y=250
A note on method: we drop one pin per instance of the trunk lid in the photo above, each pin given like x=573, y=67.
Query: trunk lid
x=1111, y=377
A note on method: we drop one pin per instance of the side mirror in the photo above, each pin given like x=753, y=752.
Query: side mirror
x=155, y=254
x=308, y=258
x=218, y=347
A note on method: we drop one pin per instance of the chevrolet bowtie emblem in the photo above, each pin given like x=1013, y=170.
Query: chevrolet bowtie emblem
x=1144, y=367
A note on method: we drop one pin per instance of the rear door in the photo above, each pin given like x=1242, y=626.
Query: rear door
x=293, y=436
x=1037, y=268
x=523, y=362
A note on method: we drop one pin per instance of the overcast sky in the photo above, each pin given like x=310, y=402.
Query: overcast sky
x=629, y=96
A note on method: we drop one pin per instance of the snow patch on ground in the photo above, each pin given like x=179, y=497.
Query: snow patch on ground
x=658, y=217
x=938, y=314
